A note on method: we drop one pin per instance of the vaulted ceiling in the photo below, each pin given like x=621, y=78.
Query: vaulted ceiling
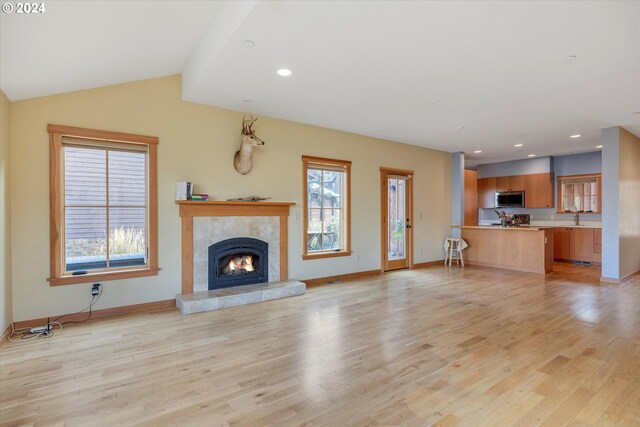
x=455, y=76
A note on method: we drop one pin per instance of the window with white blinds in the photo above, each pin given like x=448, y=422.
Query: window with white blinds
x=326, y=207
x=103, y=205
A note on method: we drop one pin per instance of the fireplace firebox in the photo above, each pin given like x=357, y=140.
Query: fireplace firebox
x=239, y=261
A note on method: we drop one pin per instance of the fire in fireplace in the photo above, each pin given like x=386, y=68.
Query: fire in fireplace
x=237, y=262
x=239, y=265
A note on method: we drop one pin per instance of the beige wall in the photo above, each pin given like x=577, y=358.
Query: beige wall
x=197, y=143
x=629, y=187
x=6, y=313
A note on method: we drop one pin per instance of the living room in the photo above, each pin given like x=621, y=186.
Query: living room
x=378, y=335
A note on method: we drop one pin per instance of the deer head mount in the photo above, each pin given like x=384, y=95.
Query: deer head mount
x=242, y=159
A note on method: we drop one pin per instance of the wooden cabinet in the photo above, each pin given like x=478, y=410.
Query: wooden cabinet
x=487, y=193
x=597, y=242
x=581, y=245
x=577, y=244
x=561, y=243
x=510, y=183
x=538, y=190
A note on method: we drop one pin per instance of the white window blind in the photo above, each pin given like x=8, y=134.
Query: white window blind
x=105, y=204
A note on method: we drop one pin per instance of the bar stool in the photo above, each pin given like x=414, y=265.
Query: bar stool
x=453, y=245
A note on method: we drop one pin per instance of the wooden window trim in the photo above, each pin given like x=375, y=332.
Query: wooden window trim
x=56, y=204
x=306, y=160
x=561, y=179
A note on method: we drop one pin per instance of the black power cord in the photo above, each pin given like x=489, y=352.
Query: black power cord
x=94, y=299
x=47, y=330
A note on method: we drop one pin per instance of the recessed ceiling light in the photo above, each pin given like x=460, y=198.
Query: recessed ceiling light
x=598, y=146
x=531, y=155
x=518, y=145
x=478, y=151
x=284, y=72
x=571, y=57
x=460, y=128
x=247, y=100
x=577, y=135
x=249, y=43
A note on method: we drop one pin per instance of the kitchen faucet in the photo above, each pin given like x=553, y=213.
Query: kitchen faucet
x=576, y=217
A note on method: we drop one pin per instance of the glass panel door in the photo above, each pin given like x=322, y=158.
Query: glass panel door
x=396, y=236
x=396, y=220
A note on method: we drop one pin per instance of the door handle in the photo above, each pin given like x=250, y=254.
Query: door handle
x=408, y=225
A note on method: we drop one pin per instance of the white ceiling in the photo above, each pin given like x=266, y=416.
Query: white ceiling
x=78, y=45
x=407, y=71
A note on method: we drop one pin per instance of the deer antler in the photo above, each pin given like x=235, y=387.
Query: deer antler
x=247, y=125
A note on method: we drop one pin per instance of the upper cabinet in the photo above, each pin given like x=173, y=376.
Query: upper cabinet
x=538, y=190
x=537, y=187
x=510, y=183
x=580, y=193
x=487, y=193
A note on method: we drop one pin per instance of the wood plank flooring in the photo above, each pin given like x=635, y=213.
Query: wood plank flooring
x=439, y=346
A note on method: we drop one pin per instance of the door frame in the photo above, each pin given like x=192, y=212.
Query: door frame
x=384, y=205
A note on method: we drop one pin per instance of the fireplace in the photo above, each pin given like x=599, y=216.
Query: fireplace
x=239, y=261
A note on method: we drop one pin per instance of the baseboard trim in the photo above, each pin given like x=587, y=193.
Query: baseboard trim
x=428, y=264
x=348, y=276
x=621, y=280
x=5, y=336
x=98, y=314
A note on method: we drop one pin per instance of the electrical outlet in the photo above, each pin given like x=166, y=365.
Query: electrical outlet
x=357, y=258
x=95, y=289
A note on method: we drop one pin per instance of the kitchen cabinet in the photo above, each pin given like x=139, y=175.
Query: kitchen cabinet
x=538, y=190
x=577, y=244
x=561, y=243
x=487, y=193
x=597, y=242
x=510, y=183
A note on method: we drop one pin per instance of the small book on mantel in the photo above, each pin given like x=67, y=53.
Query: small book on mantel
x=183, y=190
x=200, y=197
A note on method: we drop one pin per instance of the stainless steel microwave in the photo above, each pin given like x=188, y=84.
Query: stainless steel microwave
x=510, y=199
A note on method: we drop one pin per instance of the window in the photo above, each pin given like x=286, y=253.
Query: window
x=103, y=205
x=579, y=193
x=327, y=209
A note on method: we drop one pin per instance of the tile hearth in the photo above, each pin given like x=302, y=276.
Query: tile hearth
x=198, y=302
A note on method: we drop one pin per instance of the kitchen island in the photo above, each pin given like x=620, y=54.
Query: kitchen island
x=522, y=248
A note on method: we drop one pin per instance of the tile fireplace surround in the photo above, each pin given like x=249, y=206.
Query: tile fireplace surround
x=205, y=223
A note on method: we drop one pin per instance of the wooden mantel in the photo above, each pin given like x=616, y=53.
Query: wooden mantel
x=189, y=209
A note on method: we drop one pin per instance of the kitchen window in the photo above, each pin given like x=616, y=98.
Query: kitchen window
x=580, y=193
x=103, y=205
x=326, y=207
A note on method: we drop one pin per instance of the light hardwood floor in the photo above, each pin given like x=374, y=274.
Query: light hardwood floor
x=446, y=346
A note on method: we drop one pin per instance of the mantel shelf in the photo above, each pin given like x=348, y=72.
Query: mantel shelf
x=234, y=203
x=223, y=208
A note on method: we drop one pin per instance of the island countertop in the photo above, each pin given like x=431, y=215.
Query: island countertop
x=497, y=227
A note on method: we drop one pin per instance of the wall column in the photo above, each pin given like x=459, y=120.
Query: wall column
x=610, y=203
x=457, y=192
